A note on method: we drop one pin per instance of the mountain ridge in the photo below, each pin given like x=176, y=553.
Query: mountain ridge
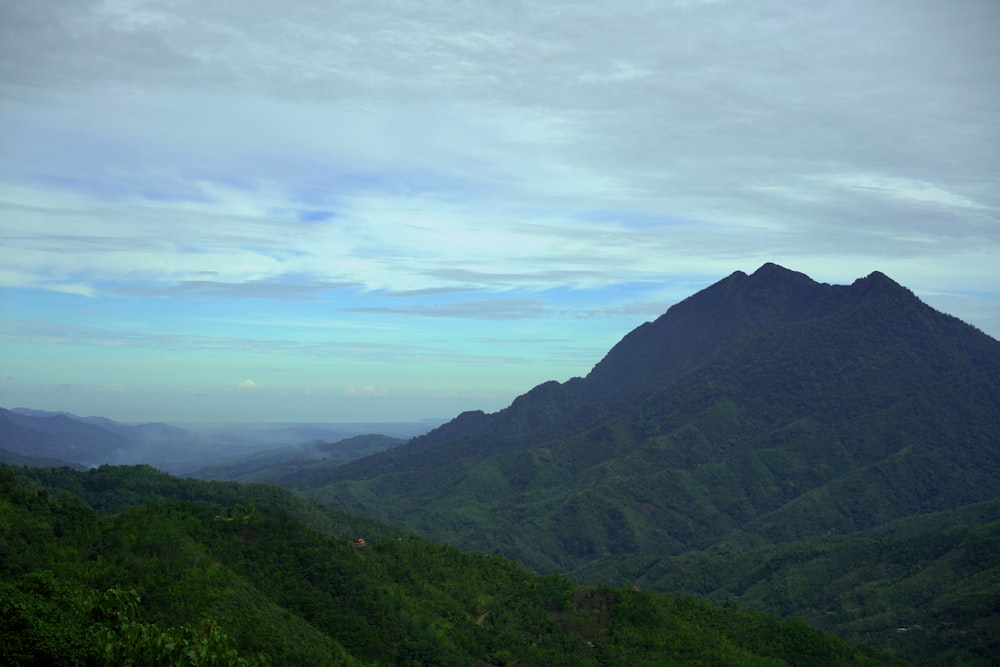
x=765, y=414
x=734, y=311
x=751, y=407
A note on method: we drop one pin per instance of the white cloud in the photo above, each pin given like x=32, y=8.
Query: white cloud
x=246, y=385
x=907, y=190
x=394, y=146
x=337, y=152
x=365, y=390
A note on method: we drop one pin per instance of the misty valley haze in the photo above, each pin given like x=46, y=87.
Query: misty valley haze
x=37, y=437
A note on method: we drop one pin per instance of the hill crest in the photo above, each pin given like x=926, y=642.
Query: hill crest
x=768, y=404
x=729, y=314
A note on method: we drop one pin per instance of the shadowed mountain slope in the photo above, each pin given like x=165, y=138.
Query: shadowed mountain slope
x=768, y=415
x=767, y=407
x=59, y=436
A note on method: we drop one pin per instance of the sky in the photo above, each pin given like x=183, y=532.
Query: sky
x=261, y=210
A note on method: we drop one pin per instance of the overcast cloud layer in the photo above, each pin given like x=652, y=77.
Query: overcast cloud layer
x=353, y=211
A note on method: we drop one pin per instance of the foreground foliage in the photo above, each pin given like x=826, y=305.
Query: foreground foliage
x=925, y=588
x=131, y=566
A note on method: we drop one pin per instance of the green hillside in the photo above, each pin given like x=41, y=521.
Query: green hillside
x=816, y=410
x=156, y=570
x=767, y=411
x=926, y=588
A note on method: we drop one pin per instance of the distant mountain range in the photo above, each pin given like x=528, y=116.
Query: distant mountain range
x=56, y=436
x=45, y=438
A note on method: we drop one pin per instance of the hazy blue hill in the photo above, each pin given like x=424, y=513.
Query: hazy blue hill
x=91, y=441
x=250, y=452
x=14, y=458
x=59, y=436
x=15, y=436
x=148, y=433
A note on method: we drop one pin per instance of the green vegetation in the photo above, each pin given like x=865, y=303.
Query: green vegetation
x=760, y=435
x=925, y=588
x=126, y=565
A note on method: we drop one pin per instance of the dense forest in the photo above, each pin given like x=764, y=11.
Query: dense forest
x=128, y=565
x=825, y=452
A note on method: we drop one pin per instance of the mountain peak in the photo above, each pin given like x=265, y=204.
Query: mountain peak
x=771, y=273
x=877, y=283
x=769, y=269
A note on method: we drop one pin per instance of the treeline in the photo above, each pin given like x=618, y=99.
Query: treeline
x=125, y=565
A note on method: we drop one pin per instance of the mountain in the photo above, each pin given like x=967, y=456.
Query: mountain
x=92, y=441
x=14, y=458
x=767, y=409
x=772, y=312
x=249, y=452
x=744, y=403
x=59, y=436
x=128, y=565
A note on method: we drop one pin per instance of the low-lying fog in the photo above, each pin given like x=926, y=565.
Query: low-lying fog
x=185, y=448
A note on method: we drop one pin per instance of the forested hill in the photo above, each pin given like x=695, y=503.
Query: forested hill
x=172, y=571
x=784, y=385
x=873, y=334
x=767, y=409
